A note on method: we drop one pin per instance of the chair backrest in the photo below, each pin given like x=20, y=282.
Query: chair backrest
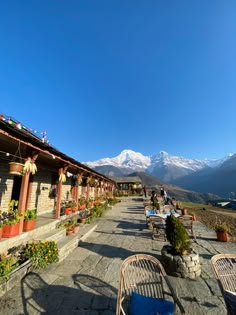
x=167, y=208
x=156, y=219
x=224, y=267
x=143, y=274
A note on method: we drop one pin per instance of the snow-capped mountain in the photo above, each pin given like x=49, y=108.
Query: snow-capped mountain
x=162, y=165
x=126, y=159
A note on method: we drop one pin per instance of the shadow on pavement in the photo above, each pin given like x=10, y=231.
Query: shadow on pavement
x=89, y=293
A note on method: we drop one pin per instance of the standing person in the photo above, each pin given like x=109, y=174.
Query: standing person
x=165, y=196
x=145, y=191
x=162, y=193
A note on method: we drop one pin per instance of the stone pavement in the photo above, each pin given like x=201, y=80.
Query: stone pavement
x=86, y=282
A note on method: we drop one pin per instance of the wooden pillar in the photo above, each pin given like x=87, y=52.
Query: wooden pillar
x=58, y=203
x=59, y=193
x=29, y=192
x=87, y=191
x=76, y=193
x=25, y=192
x=22, y=199
x=62, y=170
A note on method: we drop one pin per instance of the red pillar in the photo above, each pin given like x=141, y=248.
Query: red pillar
x=23, y=197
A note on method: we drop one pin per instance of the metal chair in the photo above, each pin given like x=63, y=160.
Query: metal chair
x=224, y=267
x=145, y=275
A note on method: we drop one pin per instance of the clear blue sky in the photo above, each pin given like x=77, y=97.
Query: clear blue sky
x=103, y=76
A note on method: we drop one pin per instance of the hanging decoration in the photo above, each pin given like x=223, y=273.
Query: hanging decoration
x=13, y=122
x=79, y=178
x=62, y=178
x=29, y=167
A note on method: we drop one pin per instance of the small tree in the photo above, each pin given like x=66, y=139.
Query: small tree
x=177, y=235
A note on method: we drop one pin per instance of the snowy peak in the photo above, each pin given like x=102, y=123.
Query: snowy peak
x=126, y=159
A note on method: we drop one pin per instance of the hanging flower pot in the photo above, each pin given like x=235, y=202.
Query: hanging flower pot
x=16, y=168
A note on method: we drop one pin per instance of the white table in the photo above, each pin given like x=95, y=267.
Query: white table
x=165, y=215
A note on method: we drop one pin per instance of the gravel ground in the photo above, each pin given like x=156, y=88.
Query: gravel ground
x=210, y=216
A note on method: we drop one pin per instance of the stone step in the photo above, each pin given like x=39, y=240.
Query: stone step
x=53, y=235
x=68, y=243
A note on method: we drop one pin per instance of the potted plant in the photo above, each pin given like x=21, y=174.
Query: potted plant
x=30, y=216
x=68, y=207
x=177, y=235
x=222, y=229
x=82, y=203
x=178, y=258
x=83, y=216
x=11, y=220
x=1, y=224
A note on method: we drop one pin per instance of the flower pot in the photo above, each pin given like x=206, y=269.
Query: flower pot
x=83, y=220
x=10, y=230
x=222, y=236
x=15, y=168
x=76, y=229
x=28, y=225
x=68, y=211
x=69, y=232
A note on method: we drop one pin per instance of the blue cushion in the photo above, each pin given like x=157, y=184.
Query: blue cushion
x=230, y=300
x=150, y=212
x=143, y=305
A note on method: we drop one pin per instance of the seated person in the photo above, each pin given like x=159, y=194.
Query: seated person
x=154, y=200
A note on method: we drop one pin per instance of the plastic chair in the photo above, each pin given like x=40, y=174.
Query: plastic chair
x=145, y=275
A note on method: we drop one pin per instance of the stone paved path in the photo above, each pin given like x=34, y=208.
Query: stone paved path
x=86, y=282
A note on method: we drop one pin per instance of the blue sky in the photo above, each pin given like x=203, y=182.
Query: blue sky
x=103, y=76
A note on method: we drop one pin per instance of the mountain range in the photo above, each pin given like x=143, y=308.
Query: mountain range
x=216, y=176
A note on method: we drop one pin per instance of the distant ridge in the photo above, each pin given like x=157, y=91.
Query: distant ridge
x=205, y=176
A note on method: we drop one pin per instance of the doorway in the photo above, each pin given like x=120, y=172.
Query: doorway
x=15, y=195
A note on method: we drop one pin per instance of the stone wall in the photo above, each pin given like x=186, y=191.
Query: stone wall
x=184, y=266
x=6, y=185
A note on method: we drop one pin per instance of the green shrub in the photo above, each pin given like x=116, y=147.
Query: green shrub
x=30, y=214
x=177, y=235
